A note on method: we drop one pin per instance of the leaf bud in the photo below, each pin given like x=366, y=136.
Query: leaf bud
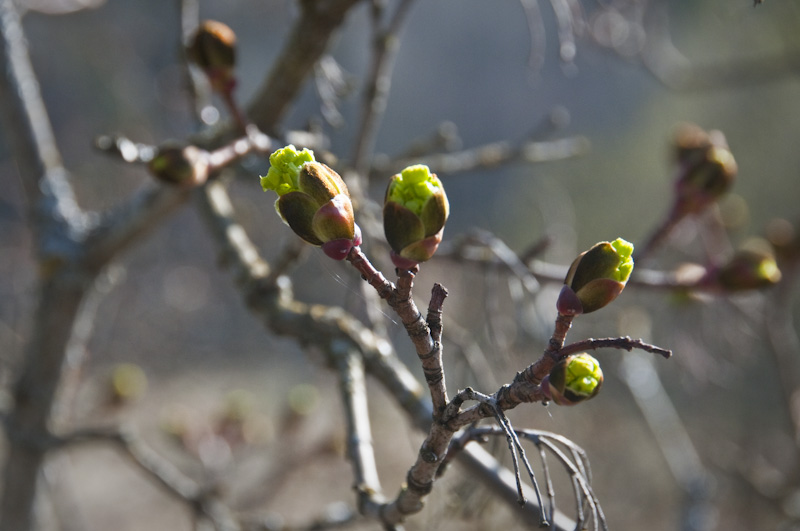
x=574, y=379
x=753, y=266
x=179, y=165
x=707, y=169
x=313, y=200
x=596, y=277
x=213, y=49
x=414, y=214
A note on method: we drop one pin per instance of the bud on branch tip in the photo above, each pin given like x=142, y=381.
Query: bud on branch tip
x=596, y=277
x=574, y=379
x=313, y=200
x=414, y=214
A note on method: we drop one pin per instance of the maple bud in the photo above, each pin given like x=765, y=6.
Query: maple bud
x=179, y=165
x=313, y=200
x=213, y=49
x=753, y=266
x=414, y=214
x=596, y=277
x=575, y=378
x=707, y=169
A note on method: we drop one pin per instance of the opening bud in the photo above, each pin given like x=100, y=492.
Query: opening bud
x=313, y=200
x=574, y=379
x=596, y=277
x=414, y=214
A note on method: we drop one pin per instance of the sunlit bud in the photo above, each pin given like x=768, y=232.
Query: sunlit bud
x=707, y=169
x=596, y=277
x=213, y=49
x=313, y=200
x=574, y=379
x=753, y=266
x=179, y=165
x=414, y=213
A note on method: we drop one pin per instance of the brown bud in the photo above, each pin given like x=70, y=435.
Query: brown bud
x=179, y=165
x=213, y=48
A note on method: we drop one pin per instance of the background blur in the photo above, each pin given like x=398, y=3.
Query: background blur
x=169, y=309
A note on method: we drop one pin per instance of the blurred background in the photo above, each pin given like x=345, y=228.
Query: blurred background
x=486, y=71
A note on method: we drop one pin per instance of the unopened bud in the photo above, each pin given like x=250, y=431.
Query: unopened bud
x=213, y=48
x=179, y=165
x=707, y=169
x=574, y=379
x=753, y=266
x=596, y=277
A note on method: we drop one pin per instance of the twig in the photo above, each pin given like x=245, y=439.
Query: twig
x=159, y=470
x=323, y=327
x=305, y=45
x=494, y=154
x=350, y=367
x=386, y=43
x=622, y=343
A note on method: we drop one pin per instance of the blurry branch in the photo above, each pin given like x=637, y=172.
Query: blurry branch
x=335, y=516
x=23, y=113
x=303, y=49
x=492, y=154
x=385, y=45
x=148, y=208
x=682, y=458
x=659, y=55
x=350, y=366
x=203, y=502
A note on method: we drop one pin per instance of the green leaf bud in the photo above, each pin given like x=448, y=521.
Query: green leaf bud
x=313, y=200
x=573, y=379
x=753, y=266
x=414, y=214
x=596, y=277
x=707, y=169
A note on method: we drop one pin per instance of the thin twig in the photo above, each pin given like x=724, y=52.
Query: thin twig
x=622, y=343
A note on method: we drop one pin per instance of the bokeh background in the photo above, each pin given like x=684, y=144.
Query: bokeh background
x=115, y=69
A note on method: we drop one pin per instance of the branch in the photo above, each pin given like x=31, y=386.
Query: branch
x=622, y=343
x=352, y=383
x=386, y=44
x=305, y=45
x=22, y=110
x=493, y=154
x=323, y=327
x=161, y=471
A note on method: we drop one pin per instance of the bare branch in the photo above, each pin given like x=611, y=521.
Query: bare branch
x=622, y=343
x=352, y=383
x=161, y=471
x=304, y=47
